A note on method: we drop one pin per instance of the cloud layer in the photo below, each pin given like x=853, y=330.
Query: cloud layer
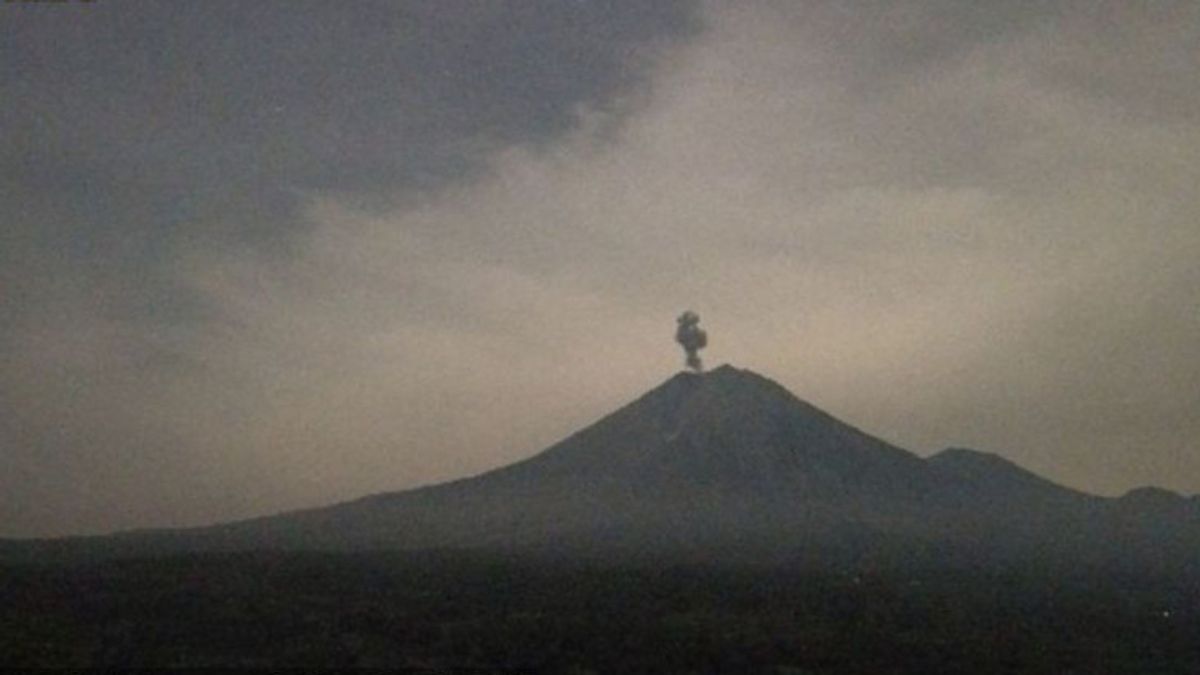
x=947, y=226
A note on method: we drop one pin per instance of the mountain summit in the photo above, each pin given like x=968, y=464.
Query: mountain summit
x=716, y=464
x=727, y=431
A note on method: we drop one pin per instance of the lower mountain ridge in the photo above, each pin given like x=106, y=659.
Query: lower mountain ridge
x=721, y=465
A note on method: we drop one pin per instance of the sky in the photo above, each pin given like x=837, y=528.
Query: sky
x=264, y=256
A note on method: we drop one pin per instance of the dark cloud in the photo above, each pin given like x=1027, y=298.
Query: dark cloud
x=141, y=125
x=692, y=338
x=138, y=133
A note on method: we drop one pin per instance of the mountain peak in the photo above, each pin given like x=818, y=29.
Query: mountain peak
x=729, y=376
x=1151, y=492
x=724, y=374
x=1152, y=498
x=966, y=457
x=734, y=431
x=971, y=474
x=1155, y=502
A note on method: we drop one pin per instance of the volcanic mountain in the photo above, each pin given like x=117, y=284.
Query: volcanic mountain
x=718, y=465
x=702, y=460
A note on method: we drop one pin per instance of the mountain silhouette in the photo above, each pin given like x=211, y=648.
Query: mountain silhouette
x=724, y=464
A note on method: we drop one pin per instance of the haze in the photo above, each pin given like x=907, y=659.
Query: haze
x=256, y=257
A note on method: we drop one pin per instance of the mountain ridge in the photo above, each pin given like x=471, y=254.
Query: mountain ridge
x=723, y=463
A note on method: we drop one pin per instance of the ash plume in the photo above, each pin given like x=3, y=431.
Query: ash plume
x=692, y=337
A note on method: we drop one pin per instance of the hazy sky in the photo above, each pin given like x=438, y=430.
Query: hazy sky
x=263, y=255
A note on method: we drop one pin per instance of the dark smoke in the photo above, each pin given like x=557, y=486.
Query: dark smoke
x=692, y=337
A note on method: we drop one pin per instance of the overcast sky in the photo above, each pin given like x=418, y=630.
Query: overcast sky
x=269, y=255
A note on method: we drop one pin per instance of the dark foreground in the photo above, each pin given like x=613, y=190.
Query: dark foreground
x=442, y=611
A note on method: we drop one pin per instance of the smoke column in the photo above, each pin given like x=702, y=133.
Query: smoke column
x=692, y=338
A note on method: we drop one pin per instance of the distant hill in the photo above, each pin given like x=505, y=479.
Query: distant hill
x=722, y=465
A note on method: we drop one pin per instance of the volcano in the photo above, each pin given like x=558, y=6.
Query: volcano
x=704, y=461
x=724, y=464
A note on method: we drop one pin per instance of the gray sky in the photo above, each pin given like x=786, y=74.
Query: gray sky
x=262, y=256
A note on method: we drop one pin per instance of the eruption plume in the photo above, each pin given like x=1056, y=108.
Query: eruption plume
x=692, y=337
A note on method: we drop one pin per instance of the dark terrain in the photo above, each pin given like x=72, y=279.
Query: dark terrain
x=440, y=611
x=717, y=523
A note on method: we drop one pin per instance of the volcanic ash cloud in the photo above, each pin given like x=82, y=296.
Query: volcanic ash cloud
x=692, y=337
